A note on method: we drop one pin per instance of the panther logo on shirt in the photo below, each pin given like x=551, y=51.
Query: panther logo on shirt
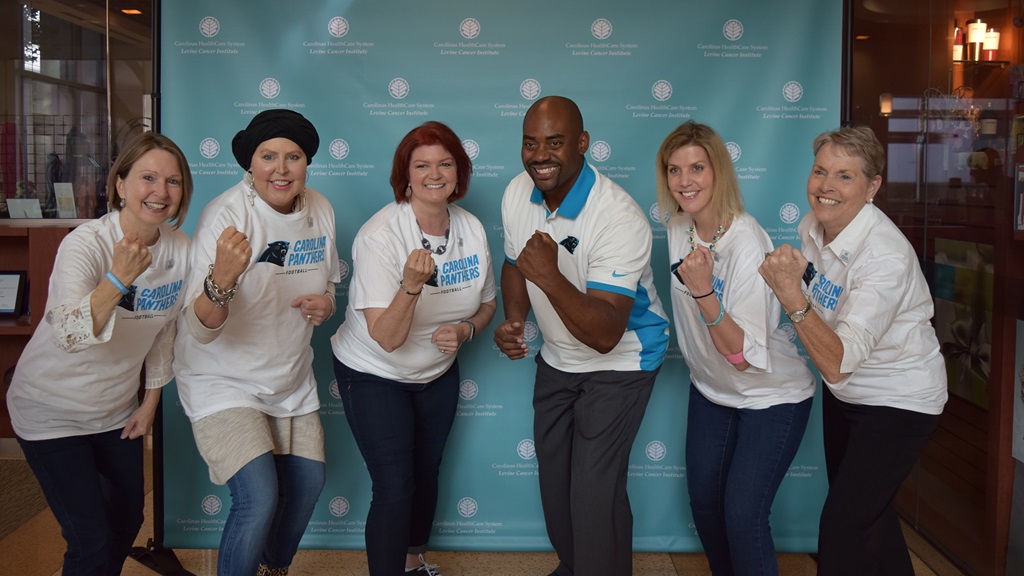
x=570, y=244
x=275, y=253
x=128, y=300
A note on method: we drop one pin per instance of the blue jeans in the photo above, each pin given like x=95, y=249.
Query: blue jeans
x=272, y=498
x=94, y=486
x=401, y=430
x=735, y=461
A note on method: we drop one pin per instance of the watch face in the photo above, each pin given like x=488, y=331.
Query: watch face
x=799, y=315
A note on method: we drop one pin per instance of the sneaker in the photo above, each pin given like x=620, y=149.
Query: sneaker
x=423, y=569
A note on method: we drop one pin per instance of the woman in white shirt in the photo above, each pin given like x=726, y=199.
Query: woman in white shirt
x=751, y=392
x=862, y=308
x=264, y=265
x=422, y=287
x=112, y=308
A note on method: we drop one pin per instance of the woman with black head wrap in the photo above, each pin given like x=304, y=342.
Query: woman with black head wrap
x=264, y=264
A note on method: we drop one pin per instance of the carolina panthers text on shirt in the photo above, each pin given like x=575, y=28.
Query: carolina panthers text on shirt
x=461, y=270
x=308, y=251
x=159, y=298
x=825, y=293
x=718, y=285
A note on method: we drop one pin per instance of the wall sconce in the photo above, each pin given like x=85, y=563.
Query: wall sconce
x=885, y=104
x=991, y=46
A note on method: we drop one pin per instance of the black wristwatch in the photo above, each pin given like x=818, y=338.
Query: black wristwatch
x=798, y=316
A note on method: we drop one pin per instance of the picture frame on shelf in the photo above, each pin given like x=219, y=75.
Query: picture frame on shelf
x=13, y=286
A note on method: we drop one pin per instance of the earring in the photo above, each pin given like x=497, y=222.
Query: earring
x=122, y=203
x=408, y=190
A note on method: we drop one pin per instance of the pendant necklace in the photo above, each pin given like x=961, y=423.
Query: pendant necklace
x=426, y=243
x=714, y=240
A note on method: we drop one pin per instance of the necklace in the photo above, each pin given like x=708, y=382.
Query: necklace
x=426, y=243
x=714, y=241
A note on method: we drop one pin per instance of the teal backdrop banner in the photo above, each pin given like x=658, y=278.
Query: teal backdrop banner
x=765, y=75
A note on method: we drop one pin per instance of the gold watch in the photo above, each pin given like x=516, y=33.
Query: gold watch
x=798, y=316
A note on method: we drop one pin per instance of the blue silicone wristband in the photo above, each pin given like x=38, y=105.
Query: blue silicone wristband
x=117, y=283
x=721, y=314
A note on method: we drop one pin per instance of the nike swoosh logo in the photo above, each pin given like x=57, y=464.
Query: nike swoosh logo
x=617, y=275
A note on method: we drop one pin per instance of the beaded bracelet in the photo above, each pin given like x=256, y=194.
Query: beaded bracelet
x=117, y=284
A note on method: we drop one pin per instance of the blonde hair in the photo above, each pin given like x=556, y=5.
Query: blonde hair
x=726, y=201
x=136, y=148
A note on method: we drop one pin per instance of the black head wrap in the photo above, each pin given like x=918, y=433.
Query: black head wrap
x=271, y=124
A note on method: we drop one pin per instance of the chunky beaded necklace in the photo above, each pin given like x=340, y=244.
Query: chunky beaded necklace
x=426, y=243
x=714, y=241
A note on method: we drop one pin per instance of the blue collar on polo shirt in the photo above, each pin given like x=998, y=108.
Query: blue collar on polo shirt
x=577, y=196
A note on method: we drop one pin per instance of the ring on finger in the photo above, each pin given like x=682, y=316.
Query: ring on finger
x=309, y=317
x=767, y=254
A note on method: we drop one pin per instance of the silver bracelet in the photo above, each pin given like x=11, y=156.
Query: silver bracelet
x=215, y=293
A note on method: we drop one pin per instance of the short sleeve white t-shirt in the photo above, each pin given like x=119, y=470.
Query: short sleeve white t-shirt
x=56, y=393
x=777, y=373
x=604, y=244
x=869, y=288
x=464, y=279
x=262, y=358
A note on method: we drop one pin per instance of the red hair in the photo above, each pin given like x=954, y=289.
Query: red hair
x=429, y=134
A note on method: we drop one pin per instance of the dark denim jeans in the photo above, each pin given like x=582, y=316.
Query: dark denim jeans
x=401, y=430
x=272, y=499
x=94, y=485
x=735, y=461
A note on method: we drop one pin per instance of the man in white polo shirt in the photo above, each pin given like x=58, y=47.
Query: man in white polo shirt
x=577, y=251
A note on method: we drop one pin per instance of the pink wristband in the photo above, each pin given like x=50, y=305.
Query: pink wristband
x=735, y=358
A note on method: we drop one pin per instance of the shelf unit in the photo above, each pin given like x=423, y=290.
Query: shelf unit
x=29, y=245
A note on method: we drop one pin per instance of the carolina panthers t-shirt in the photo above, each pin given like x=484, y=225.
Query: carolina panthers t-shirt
x=262, y=358
x=93, y=387
x=462, y=280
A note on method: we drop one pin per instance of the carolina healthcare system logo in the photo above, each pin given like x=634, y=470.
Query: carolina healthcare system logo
x=530, y=331
x=472, y=148
x=526, y=449
x=789, y=213
x=398, y=88
x=338, y=506
x=270, y=88
x=793, y=91
x=529, y=89
x=334, y=390
x=662, y=90
x=468, y=390
x=343, y=269
x=338, y=26
x=601, y=29
x=655, y=213
x=600, y=151
x=209, y=27
x=469, y=28
x=339, y=149
x=733, y=30
x=656, y=451
x=468, y=507
x=790, y=331
x=209, y=148
x=735, y=152
x=212, y=505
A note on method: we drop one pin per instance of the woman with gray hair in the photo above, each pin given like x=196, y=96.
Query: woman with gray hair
x=858, y=300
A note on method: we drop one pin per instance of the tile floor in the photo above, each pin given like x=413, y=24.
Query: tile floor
x=36, y=548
